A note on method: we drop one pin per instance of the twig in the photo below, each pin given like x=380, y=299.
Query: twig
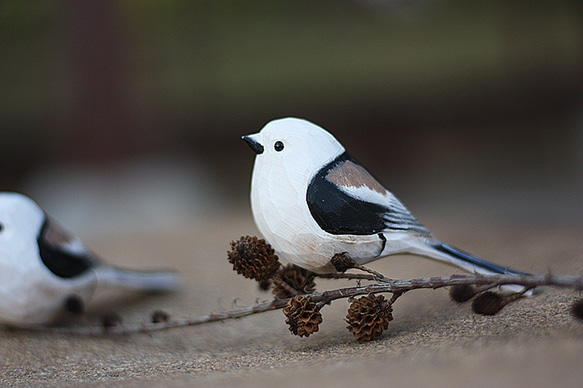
x=279, y=281
x=397, y=287
x=149, y=327
x=350, y=276
x=376, y=275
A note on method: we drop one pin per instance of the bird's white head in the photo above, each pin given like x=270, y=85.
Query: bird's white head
x=294, y=144
x=289, y=152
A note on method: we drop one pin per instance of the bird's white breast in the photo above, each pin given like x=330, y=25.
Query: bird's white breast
x=278, y=201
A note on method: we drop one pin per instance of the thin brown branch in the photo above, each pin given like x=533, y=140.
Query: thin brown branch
x=350, y=276
x=279, y=281
x=397, y=287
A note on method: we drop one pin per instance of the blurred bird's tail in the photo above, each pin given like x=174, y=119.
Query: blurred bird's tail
x=145, y=281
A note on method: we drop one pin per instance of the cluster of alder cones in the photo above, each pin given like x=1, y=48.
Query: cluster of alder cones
x=367, y=317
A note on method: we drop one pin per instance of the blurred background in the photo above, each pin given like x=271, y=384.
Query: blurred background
x=128, y=114
x=123, y=120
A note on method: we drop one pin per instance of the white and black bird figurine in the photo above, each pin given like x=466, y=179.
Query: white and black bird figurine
x=44, y=270
x=311, y=200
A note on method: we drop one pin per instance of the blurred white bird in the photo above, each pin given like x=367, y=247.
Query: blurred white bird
x=43, y=269
x=312, y=200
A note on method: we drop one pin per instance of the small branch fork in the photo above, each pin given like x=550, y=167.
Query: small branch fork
x=397, y=287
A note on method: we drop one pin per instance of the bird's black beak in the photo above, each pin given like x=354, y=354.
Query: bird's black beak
x=254, y=144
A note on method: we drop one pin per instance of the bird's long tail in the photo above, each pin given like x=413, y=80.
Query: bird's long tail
x=469, y=262
x=145, y=281
x=472, y=264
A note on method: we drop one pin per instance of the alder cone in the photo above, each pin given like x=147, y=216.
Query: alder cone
x=488, y=303
x=298, y=278
x=462, y=293
x=303, y=315
x=368, y=317
x=253, y=258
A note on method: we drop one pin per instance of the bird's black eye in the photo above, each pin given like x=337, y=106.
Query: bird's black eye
x=1, y=227
x=278, y=146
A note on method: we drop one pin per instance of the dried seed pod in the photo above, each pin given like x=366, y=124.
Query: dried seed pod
x=160, y=316
x=462, y=293
x=368, y=316
x=303, y=315
x=74, y=304
x=298, y=278
x=489, y=303
x=577, y=309
x=342, y=262
x=264, y=285
x=111, y=319
x=253, y=258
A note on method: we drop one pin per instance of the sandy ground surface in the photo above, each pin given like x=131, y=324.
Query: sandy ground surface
x=431, y=340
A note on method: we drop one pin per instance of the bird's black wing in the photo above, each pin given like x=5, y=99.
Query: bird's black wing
x=56, y=253
x=338, y=212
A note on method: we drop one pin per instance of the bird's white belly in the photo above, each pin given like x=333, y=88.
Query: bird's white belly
x=31, y=294
x=314, y=251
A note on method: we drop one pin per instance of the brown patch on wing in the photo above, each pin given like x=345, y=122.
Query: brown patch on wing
x=350, y=174
x=56, y=236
